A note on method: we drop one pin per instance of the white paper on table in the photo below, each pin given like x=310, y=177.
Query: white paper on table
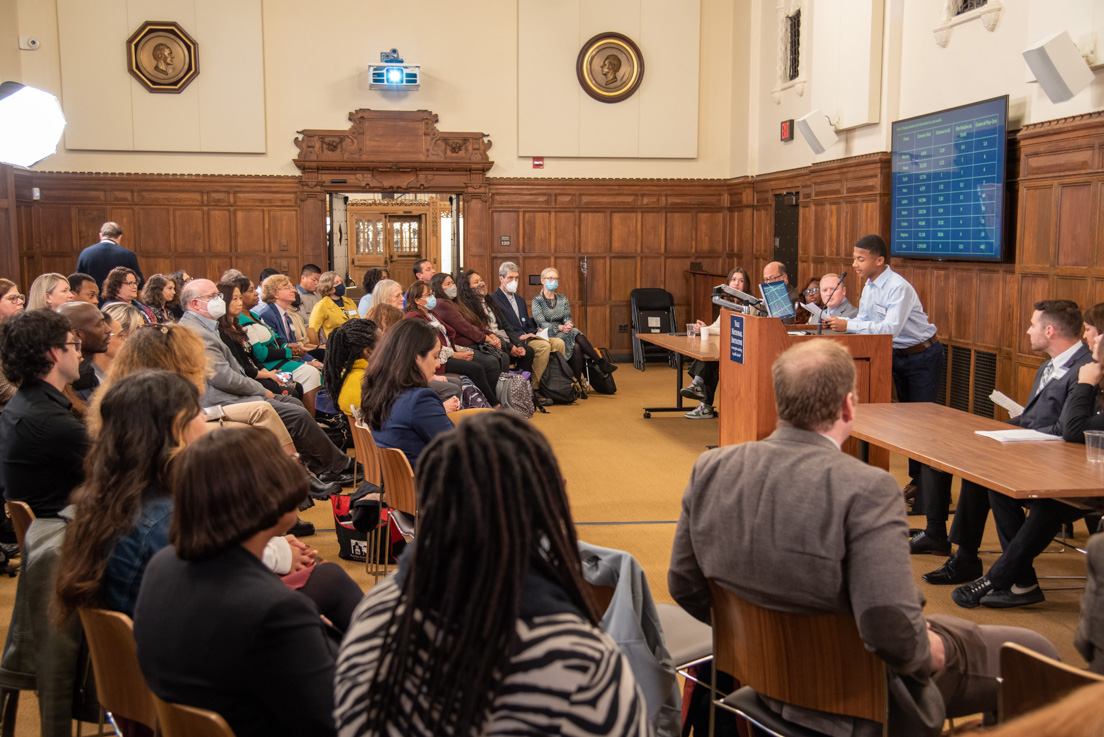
x=1017, y=436
x=814, y=310
x=1005, y=402
x=543, y=333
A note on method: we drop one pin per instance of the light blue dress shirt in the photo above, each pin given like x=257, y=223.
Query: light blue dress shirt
x=889, y=304
x=364, y=305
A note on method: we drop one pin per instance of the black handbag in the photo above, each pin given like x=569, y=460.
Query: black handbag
x=502, y=356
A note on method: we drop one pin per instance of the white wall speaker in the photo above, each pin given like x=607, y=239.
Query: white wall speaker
x=1057, y=63
x=817, y=131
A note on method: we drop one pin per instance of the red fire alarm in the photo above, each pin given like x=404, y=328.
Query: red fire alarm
x=787, y=130
x=538, y=162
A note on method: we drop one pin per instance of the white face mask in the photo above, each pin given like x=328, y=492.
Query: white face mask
x=511, y=286
x=216, y=308
x=451, y=292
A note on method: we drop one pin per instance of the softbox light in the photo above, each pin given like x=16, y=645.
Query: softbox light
x=31, y=124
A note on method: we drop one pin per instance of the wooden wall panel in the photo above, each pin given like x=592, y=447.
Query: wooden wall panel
x=1076, y=246
x=1036, y=226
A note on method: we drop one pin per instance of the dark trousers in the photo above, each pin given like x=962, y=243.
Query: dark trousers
x=577, y=362
x=475, y=372
x=1024, y=537
x=319, y=454
x=916, y=378
x=710, y=373
x=933, y=500
x=521, y=363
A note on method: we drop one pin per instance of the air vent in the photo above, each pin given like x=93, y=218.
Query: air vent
x=985, y=380
x=960, y=379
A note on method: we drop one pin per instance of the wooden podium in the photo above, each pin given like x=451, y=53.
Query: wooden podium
x=747, y=409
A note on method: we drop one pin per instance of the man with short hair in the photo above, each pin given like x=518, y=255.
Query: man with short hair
x=517, y=315
x=83, y=288
x=265, y=273
x=308, y=282
x=91, y=328
x=834, y=293
x=42, y=443
x=228, y=384
x=822, y=533
x=423, y=270
x=100, y=258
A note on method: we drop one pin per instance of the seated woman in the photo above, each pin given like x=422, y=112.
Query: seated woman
x=420, y=305
x=388, y=291
x=385, y=316
x=552, y=311
x=397, y=404
x=121, y=285
x=372, y=277
x=122, y=320
x=350, y=347
x=214, y=627
x=333, y=309
x=48, y=292
x=456, y=315
x=179, y=279
x=809, y=295
x=705, y=374
x=158, y=294
x=488, y=633
x=472, y=293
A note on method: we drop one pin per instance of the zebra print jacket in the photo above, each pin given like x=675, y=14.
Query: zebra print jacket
x=586, y=689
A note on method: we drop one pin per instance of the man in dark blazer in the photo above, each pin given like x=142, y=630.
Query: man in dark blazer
x=1055, y=329
x=516, y=312
x=823, y=532
x=100, y=258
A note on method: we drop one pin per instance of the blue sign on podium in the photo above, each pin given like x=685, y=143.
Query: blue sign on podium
x=736, y=338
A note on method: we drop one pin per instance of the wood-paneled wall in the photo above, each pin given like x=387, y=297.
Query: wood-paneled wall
x=9, y=263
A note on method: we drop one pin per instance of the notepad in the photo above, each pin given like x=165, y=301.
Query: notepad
x=543, y=333
x=815, y=311
x=1017, y=436
x=1005, y=402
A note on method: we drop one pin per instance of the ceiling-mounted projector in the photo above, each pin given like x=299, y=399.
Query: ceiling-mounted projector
x=393, y=74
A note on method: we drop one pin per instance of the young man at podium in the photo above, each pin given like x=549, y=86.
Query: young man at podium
x=889, y=304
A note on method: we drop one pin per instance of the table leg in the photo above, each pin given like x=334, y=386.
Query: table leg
x=864, y=451
x=678, y=391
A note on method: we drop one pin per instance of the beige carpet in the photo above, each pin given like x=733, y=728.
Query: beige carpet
x=625, y=477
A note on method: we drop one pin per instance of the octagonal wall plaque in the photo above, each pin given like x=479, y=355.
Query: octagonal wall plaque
x=162, y=56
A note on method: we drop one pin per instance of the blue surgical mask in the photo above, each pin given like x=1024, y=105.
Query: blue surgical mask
x=551, y=285
x=339, y=290
x=431, y=302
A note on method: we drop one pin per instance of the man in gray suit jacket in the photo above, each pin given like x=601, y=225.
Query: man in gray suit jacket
x=834, y=293
x=792, y=523
x=228, y=384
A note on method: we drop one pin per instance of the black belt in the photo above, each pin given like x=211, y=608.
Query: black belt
x=912, y=350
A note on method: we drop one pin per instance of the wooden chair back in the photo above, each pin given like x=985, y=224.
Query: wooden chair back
x=398, y=481
x=817, y=661
x=178, y=720
x=1030, y=681
x=367, y=452
x=21, y=517
x=120, y=685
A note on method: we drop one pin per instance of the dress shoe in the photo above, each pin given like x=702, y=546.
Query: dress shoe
x=341, y=478
x=925, y=543
x=606, y=366
x=1007, y=599
x=319, y=489
x=694, y=391
x=970, y=595
x=955, y=571
x=301, y=528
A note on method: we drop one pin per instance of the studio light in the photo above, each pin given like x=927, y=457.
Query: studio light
x=31, y=124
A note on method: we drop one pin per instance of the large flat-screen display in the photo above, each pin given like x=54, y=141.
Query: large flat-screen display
x=948, y=183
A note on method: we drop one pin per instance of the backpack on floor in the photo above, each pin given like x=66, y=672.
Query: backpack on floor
x=357, y=514
x=471, y=397
x=558, y=384
x=516, y=393
x=602, y=382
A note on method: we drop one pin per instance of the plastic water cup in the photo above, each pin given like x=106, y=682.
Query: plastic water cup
x=1094, y=446
x=691, y=329
x=705, y=334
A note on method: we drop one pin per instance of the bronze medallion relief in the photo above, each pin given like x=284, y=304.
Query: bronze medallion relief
x=610, y=67
x=162, y=56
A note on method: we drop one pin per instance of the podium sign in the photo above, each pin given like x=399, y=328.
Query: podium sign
x=736, y=338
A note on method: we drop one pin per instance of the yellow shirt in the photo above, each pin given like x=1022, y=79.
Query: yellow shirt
x=350, y=390
x=327, y=316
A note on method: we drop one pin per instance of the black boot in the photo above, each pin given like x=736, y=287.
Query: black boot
x=606, y=366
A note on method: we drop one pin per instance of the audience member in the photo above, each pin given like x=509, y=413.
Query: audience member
x=551, y=311
x=123, y=320
x=1089, y=637
x=387, y=291
x=157, y=295
x=517, y=315
x=216, y=629
x=265, y=273
x=424, y=271
x=278, y=294
x=479, y=633
x=889, y=304
x=397, y=403
x=179, y=278
x=333, y=308
x=84, y=288
x=485, y=345
x=706, y=374
x=42, y=443
x=1054, y=330
x=100, y=258
x=350, y=348
x=385, y=316
x=91, y=329
x=420, y=303
x=776, y=271
x=472, y=294
x=809, y=295
x=48, y=292
x=308, y=286
x=841, y=553
x=11, y=301
x=833, y=293
x=372, y=277
x=121, y=285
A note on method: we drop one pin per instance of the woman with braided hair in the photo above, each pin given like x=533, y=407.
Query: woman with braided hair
x=479, y=632
x=348, y=350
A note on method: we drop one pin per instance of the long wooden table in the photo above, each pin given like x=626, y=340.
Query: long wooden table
x=944, y=438
x=683, y=346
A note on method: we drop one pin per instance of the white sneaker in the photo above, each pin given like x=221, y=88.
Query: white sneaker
x=702, y=412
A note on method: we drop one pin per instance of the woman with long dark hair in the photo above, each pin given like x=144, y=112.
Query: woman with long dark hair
x=347, y=353
x=486, y=633
x=158, y=294
x=465, y=326
x=472, y=293
x=705, y=374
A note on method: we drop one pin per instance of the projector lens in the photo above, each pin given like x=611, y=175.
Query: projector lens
x=394, y=76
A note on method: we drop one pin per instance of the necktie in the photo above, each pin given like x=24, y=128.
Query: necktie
x=290, y=329
x=1048, y=374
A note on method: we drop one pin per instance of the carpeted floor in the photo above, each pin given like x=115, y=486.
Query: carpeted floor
x=625, y=477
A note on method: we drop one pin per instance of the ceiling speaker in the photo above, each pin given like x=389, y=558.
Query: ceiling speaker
x=817, y=131
x=1058, y=65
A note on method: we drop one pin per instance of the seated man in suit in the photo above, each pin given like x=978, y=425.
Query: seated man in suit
x=841, y=552
x=228, y=384
x=1055, y=329
x=517, y=316
x=834, y=292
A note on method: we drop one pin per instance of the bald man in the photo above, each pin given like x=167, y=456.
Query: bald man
x=91, y=328
x=776, y=271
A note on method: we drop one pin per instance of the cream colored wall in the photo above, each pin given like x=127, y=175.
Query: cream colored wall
x=315, y=64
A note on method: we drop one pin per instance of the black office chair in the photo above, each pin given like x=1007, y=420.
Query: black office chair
x=653, y=311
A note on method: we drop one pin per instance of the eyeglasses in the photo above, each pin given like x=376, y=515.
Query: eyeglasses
x=130, y=284
x=209, y=297
x=776, y=277
x=75, y=343
x=811, y=290
x=16, y=298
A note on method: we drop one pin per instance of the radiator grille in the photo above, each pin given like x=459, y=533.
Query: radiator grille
x=985, y=380
x=959, y=395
